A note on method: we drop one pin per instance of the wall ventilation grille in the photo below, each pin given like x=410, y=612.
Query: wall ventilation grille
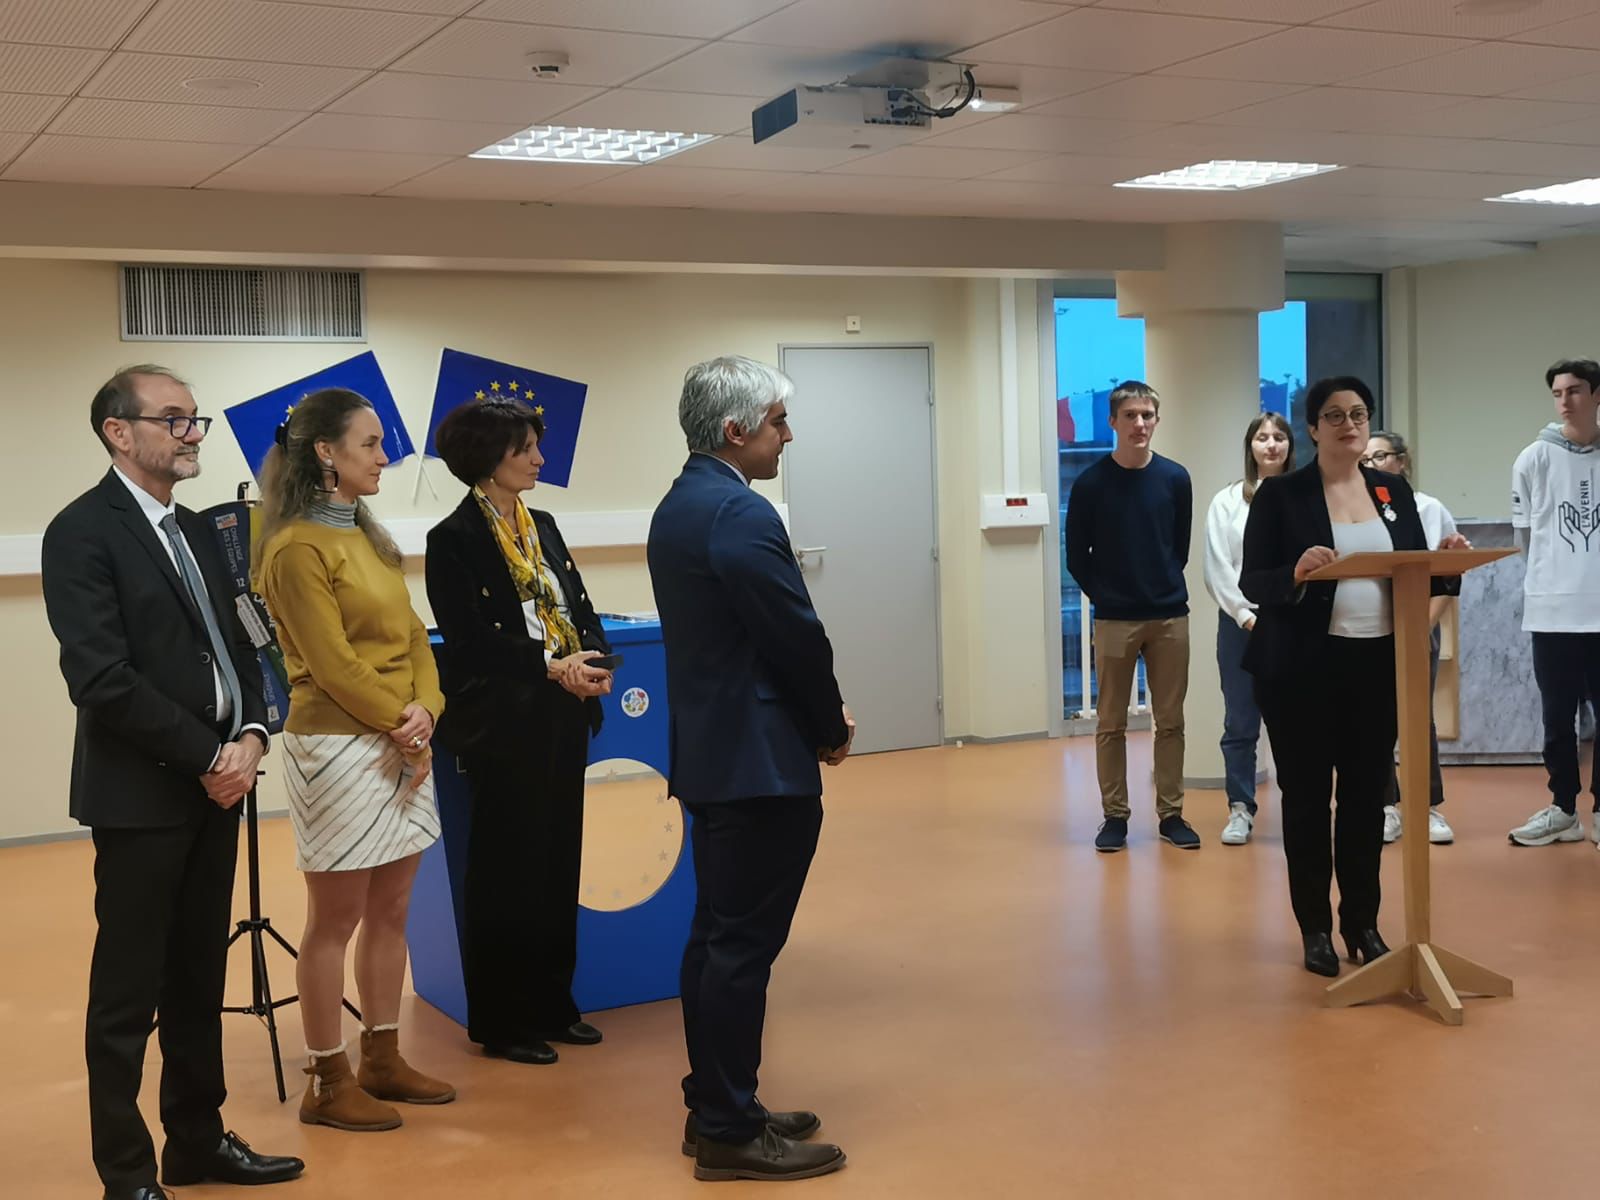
x=241, y=304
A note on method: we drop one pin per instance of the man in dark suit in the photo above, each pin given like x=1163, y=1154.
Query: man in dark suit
x=754, y=707
x=170, y=729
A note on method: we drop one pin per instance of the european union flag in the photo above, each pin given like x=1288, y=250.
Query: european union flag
x=464, y=377
x=255, y=422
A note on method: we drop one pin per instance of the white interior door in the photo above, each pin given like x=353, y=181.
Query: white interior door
x=858, y=479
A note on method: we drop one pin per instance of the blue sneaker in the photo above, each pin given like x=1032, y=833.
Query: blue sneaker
x=1113, y=835
x=1177, y=831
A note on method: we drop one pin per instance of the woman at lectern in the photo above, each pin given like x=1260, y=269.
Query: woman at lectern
x=1388, y=452
x=1322, y=654
x=364, y=694
x=520, y=640
x=1268, y=451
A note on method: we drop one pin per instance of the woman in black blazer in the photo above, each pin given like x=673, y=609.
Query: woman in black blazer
x=522, y=703
x=1322, y=654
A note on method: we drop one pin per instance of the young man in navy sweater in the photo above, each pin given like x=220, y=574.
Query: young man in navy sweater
x=1127, y=544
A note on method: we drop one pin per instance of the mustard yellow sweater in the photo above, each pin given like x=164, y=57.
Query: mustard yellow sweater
x=354, y=651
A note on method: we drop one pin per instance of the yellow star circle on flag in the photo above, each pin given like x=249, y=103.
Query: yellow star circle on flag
x=479, y=396
x=495, y=386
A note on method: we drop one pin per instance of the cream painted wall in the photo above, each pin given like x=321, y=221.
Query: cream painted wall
x=1469, y=344
x=630, y=337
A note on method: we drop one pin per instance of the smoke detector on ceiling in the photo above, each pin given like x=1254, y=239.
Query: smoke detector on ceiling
x=547, y=64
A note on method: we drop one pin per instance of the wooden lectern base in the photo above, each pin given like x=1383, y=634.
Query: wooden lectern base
x=1431, y=973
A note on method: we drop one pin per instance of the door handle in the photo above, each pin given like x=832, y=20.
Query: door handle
x=801, y=552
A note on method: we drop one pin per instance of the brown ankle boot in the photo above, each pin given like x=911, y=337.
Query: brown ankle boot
x=334, y=1098
x=389, y=1077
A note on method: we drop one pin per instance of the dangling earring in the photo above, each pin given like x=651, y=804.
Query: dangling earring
x=328, y=469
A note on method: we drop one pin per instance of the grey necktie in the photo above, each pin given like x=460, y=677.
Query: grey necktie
x=197, y=592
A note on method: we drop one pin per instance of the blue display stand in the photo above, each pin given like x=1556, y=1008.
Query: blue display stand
x=629, y=956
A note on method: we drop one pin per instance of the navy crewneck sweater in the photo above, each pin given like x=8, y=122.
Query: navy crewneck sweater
x=1128, y=538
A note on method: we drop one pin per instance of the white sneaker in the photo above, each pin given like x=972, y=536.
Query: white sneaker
x=1240, y=824
x=1594, y=830
x=1439, y=831
x=1391, y=823
x=1548, y=825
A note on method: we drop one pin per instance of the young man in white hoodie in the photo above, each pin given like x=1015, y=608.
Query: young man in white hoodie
x=1555, y=507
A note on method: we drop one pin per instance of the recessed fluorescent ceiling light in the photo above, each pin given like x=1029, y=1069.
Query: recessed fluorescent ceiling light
x=1228, y=175
x=1579, y=191
x=572, y=144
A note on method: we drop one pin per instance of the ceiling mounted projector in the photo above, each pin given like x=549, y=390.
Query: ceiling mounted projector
x=889, y=104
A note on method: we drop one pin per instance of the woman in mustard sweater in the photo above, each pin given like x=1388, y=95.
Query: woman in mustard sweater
x=364, y=694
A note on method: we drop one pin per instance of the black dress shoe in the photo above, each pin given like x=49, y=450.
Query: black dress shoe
x=579, y=1033
x=148, y=1192
x=1320, y=956
x=540, y=1054
x=796, y=1126
x=1364, y=945
x=770, y=1155
x=232, y=1161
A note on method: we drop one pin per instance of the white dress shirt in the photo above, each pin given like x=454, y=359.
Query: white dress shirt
x=1224, y=559
x=155, y=512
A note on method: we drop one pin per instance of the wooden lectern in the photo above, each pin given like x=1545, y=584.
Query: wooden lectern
x=1431, y=972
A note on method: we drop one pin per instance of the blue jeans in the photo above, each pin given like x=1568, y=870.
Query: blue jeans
x=1241, y=719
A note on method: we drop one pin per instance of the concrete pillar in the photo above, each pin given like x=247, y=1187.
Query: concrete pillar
x=1202, y=354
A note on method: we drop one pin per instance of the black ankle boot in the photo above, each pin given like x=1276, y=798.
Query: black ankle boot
x=1320, y=956
x=1364, y=945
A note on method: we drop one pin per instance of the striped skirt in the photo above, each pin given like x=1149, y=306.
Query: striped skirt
x=352, y=803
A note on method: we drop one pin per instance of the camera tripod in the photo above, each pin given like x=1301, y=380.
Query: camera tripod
x=258, y=929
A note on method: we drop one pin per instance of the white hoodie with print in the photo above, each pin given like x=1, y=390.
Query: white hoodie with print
x=1555, y=496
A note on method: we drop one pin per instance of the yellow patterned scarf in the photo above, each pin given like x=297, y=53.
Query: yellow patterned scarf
x=520, y=549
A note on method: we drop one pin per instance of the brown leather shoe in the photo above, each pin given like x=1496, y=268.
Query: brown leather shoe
x=387, y=1076
x=796, y=1126
x=334, y=1098
x=770, y=1156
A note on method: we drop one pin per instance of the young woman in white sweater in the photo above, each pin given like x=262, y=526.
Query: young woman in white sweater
x=1268, y=450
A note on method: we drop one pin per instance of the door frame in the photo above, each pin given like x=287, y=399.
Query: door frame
x=1050, y=476
x=933, y=478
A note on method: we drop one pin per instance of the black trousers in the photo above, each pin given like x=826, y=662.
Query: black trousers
x=1334, y=715
x=750, y=859
x=1566, y=666
x=163, y=902
x=521, y=903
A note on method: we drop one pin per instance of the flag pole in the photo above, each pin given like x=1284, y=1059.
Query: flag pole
x=421, y=478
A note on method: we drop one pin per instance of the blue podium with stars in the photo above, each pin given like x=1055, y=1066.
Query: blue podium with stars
x=637, y=891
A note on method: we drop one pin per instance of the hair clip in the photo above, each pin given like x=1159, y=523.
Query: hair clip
x=281, y=435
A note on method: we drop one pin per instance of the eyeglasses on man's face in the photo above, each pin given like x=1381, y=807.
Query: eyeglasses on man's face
x=1379, y=458
x=180, y=426
x=1336, y=418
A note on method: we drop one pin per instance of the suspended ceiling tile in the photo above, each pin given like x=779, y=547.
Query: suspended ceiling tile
x=46, y=70
x=486, y=179
x=1336, y=109
x=759, y=72
x=636, y=108
x=1308, y=55
x=172, y=122
x=163, y=77
x=929, y=162
x=441, y=8
x=739, y=153
x=1166, y=98
x=26, y=114
x=1023, y=131
x=97, y=24
x=347, y=131
x=272, y=31
x=1109, y=40
x=318, y=172
x=499, y=50
x=1041, y=85
x=919, y=28
x=684, y=18
x=1497, y=117
x=451, y=98
x=10, y=143
x=1486, y=21
x=1484, y=69
x=1583, y=32
x=53, y=159
x=1290, y=12
x=660, y=183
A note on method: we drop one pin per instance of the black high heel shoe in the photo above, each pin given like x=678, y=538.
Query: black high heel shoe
x=1320, y=956
x=1364, y=945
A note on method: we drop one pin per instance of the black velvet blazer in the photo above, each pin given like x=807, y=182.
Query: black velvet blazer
x=1288, y=516
x=492, y=671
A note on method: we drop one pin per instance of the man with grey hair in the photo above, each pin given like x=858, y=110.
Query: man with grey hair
x=171, y=725
x=754, y=708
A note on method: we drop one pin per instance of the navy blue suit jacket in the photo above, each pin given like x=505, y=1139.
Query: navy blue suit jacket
x=750, y=684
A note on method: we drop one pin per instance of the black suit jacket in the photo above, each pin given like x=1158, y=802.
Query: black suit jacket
x=1288, y=516
x=137, y=660
x=492, y=671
